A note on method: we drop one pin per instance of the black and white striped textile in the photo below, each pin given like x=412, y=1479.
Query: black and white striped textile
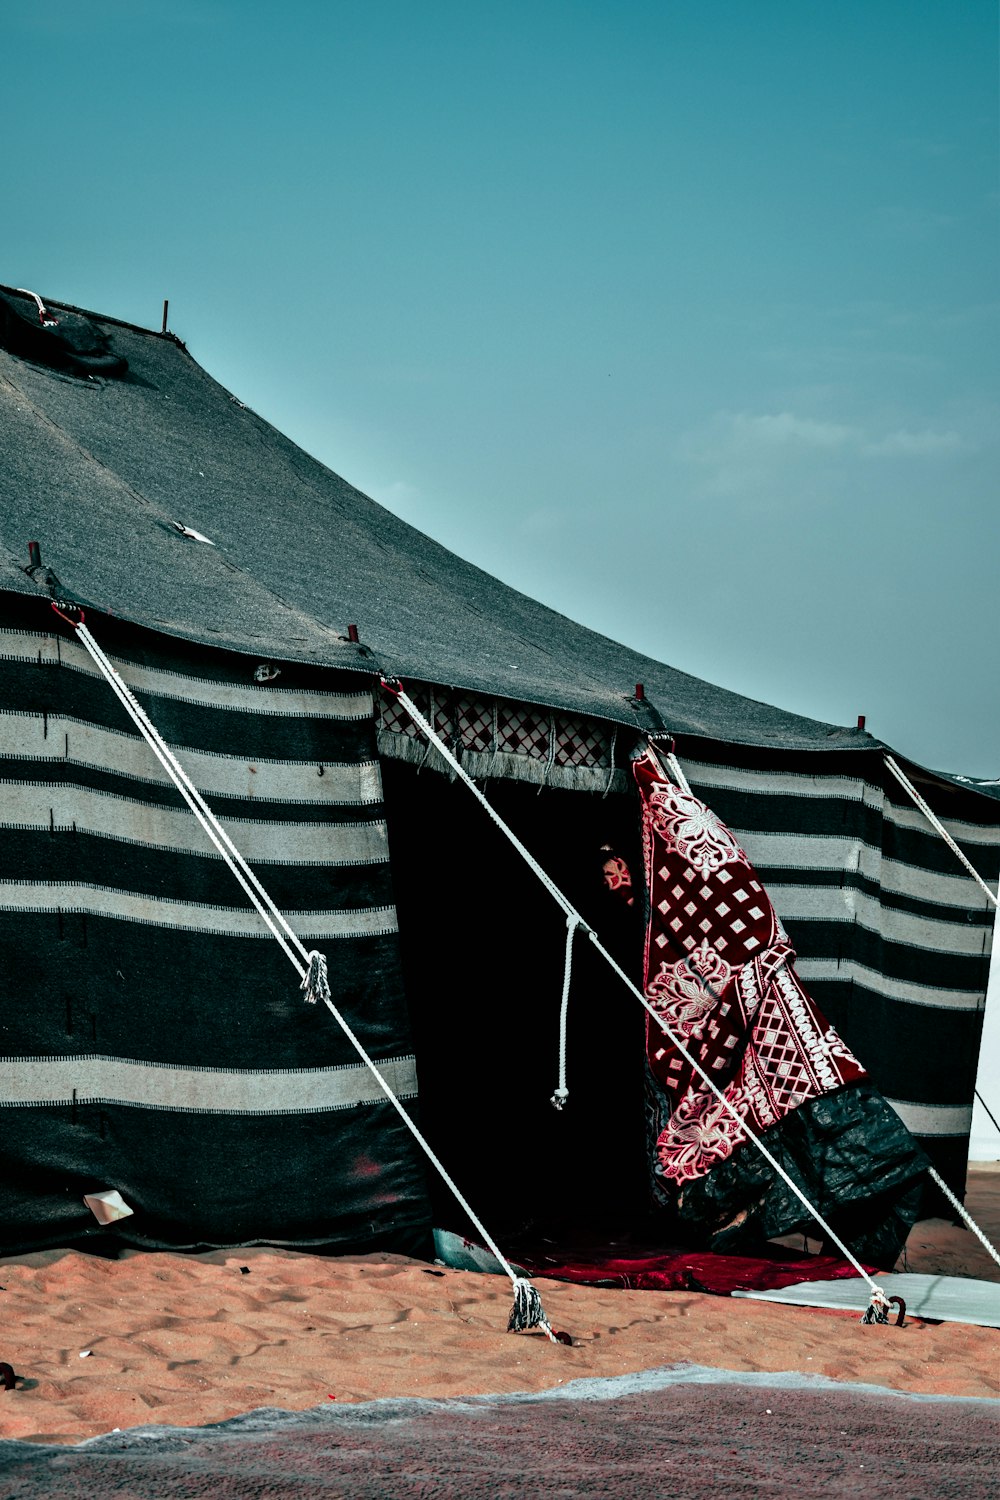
x=893, y=936
x=153, y=1036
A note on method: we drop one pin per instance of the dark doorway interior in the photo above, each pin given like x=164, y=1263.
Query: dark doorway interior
x=483, y=948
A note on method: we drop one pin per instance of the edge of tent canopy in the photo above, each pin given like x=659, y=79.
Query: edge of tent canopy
x=123, y=476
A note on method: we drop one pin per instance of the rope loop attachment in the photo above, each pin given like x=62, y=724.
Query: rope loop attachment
x=877, y=1310
x=573, y=921
x=68, y=611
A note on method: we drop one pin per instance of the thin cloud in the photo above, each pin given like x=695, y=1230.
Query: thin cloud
x=770, y=453
x=783, y=430
x=904, y=443
x=756, y=454
x=762, y=437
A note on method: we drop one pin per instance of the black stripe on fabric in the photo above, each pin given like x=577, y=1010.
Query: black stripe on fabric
x=252, y=736
x=125, y=641
x=196, y=1180
x=835, y=879
x=866, y=765
x=837, y=817
x=169, y=653
x=32, y=689
x=843, y=940
x=72, y=773
x=914, y=1052
x=192, y=999
x=863, y=763
x=28, y=855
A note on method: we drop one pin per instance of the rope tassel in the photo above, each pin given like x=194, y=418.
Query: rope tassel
x=317, y=981
x=527, y=1311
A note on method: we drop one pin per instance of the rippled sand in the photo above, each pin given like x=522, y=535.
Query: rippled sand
x=186, y=1340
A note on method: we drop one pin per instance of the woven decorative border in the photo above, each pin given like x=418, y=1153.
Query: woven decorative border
x=497, y=737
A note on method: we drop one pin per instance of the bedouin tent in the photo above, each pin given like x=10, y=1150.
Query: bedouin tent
x=155, y=1041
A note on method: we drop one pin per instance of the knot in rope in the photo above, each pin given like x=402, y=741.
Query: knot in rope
x=877, y=1310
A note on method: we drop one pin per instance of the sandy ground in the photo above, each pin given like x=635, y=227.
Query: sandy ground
x=189, y=1340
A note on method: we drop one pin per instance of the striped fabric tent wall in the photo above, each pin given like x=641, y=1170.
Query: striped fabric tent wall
x=154, y=1037
x=893, y=936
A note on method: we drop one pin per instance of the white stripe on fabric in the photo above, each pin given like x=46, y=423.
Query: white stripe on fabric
x=847, y=970
x=933, y=1119
x=25, y=646
x=29, y=805
x=188, y=916
x=74, y=742
x=854, y=789
x=791, y=851
x=32, y=1081
x=825, y=903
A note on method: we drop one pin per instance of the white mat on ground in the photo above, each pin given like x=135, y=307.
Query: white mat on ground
x=949, y=1299
x=460, y=1254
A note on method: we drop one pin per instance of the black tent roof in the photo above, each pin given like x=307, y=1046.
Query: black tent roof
x=111, y=434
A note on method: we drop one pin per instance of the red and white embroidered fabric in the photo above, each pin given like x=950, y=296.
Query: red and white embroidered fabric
x=718, y=968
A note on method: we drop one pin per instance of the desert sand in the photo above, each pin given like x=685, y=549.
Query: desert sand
x=156, y=1338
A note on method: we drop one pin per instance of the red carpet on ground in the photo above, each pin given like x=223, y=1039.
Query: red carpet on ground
x=690, y=1270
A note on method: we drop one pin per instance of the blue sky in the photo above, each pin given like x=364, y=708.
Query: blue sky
x=680, y=316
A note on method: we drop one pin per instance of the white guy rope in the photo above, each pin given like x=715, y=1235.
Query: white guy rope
x=307, y=964
x=252, y=887
x=567, y=906
x=989, y=1112
x=939, y=827
x=963, y=1213
x=562, y=1092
